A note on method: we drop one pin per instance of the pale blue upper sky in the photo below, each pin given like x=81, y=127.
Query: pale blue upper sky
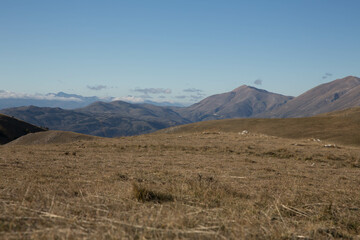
x=160, y=48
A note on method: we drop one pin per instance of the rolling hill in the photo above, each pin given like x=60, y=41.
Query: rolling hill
x=12, y=128
x=51, y=137
x=167, y=186
x=342, y=127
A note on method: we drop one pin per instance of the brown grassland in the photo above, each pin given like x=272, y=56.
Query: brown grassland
x=342, y=127
x=195, y=185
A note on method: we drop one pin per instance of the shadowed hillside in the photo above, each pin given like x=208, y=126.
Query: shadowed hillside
x=339, y=127
x=11, y=128
x=101, y=119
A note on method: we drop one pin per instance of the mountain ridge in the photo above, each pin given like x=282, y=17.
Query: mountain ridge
x=119, y=118
x=244, y=101
x=332, y=96
x=101, y=119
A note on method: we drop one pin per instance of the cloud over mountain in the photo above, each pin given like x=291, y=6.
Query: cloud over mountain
x=10, y=99
x=49, y=96
x=129, y=98
x=258, y=81
x=96, y=87
x=148, y=91
x=326, y=75
x=192, y=90
x=181, y=97
x=196, y=94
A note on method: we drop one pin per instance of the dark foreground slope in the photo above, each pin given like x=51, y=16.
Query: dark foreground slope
x=338, y=127
x=12, y=128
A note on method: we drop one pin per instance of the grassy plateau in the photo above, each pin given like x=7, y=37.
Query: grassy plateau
x=190, y=185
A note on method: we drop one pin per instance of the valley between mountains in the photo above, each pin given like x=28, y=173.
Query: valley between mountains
x=120, y=118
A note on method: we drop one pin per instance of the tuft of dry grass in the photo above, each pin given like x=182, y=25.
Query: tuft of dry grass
x=141, y=193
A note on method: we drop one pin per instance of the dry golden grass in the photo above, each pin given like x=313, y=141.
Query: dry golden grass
x=342, y=127
x=51, y=137
x=171, y=186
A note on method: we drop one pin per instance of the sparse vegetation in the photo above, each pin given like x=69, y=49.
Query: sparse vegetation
x=340, y=127
x=197, y=186
x=143, y=194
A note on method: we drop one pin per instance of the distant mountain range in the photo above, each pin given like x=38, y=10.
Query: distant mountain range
x=61, y=100
x=101, y=119
x=118, y=118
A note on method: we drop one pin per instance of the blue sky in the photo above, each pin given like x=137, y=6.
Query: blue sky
x=176, y=50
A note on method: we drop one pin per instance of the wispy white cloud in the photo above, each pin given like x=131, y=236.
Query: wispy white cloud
x=131, y=99
x=326, y=75
x=181, y=97
x=195, y=94
x=192, y=90
x=96, y=87
x=147, y=91
x=50, y=96
x=137, y=99
x=258, y=81
x=196, y=97
x=145, y=96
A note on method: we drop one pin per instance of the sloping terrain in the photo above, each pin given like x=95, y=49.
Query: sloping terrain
x=51, y=137
x=101, y=119
x=242, y=102
x=250, y=102
x=338, y=127
x=188, y=186
x=120, y=118
x=333, y=96
x=145, y=112
x=12, y=128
